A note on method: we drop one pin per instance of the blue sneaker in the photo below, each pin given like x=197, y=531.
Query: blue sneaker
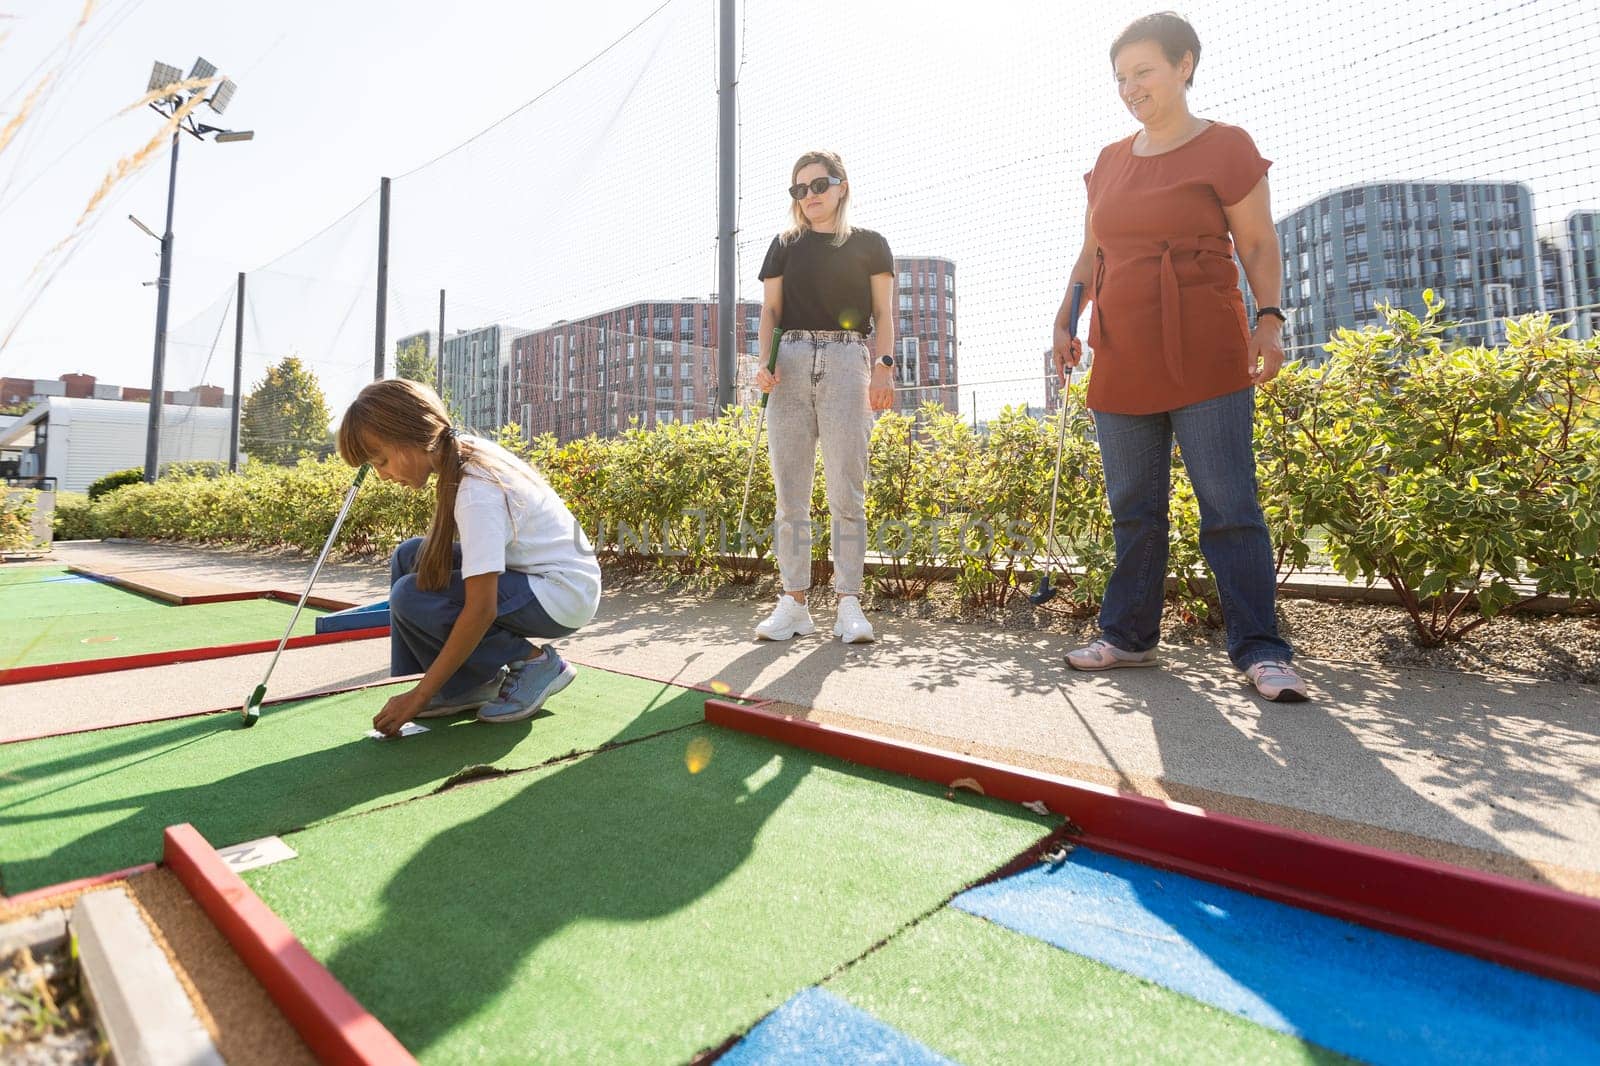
x=470, y=700
x=529, y=684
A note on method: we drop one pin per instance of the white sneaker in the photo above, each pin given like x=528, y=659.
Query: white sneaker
x=852, y=626
x=789, y=619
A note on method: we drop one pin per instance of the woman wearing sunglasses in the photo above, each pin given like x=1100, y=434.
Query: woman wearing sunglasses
x=1174, y=356
x=828, y=286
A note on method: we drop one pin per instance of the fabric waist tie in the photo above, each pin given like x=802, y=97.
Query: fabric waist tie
x=1171, y=301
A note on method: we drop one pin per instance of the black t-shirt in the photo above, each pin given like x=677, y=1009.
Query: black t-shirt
x=826, y=287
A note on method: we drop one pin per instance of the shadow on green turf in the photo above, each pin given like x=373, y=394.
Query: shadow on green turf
x=457, y=920
x=49, y=842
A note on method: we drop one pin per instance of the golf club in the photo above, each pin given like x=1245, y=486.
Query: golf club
x=252, y=706
x=1044, y=593
x=761, y=421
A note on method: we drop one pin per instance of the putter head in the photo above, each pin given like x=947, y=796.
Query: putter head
x=252, y=707
x=1043, y=593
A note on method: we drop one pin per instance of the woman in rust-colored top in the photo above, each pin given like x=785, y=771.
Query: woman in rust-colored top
x=1175, y=356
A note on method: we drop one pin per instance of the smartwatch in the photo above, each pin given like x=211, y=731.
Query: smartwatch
x=1275, y=312
x=886, y=360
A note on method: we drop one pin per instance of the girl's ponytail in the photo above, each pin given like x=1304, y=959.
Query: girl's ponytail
x=437, y=558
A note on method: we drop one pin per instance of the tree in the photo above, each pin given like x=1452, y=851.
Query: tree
x=285, y=417
x=411, y=360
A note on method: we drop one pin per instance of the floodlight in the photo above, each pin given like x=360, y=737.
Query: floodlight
x=224, y=136
x=162, y=75
x=202, y=69
x=221, y=95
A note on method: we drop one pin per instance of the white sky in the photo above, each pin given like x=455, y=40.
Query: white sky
x=966, y=128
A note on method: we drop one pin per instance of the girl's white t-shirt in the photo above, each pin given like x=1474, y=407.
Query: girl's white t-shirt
x=522, y=526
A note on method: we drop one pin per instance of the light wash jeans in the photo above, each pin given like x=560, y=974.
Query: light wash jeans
x=821, y=395
x=1215, y=439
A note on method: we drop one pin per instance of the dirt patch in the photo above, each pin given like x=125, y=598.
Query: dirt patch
x=1537, y=646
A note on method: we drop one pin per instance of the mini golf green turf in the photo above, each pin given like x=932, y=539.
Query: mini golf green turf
x=59, y=594
x=28, y=573
x=148, y=627
x=980, y=993
x=620, y=908
x=88, y=803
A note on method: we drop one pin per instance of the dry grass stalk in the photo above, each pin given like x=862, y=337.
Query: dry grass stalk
x=186, y=85
x=129, y=165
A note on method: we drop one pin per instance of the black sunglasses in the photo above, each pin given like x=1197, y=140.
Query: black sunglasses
x=816, y=185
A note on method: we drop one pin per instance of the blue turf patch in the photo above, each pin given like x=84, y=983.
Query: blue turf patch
x=1358, y=991
x=369, y=616
x=816, y=1026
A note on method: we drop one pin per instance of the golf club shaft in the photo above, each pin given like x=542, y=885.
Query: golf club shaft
x=761, y=422
x=1061, y=416
x=349, y=498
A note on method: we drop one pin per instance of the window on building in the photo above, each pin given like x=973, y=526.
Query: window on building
x=906, y=369
x=905, y=279
x=905, y=301
x=664, y=394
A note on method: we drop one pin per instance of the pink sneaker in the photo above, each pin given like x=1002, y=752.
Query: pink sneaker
x=1104, y=655
x=1277, y=681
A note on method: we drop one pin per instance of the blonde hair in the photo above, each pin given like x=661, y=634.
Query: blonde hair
x=797, y=217
x=409, y=414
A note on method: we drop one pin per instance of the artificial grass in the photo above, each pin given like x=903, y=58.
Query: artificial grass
x=89, y=803
x=620, y=908
x=54, y=593
x=27, y=573
x=150, y=627
x=817, y=1028
x=1366, y=993
x=980, y=993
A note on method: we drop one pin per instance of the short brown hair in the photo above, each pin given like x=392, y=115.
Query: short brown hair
x=1168, y=29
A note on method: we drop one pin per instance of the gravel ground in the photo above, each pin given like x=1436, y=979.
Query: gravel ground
x=1543, y=647
x=44, y=1018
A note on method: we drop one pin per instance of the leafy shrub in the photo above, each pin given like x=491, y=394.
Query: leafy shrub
x=193, y=468
x=1452, y=475
x=1457, y=476
x=16, y=520
x=115, y=480
x=75, y=517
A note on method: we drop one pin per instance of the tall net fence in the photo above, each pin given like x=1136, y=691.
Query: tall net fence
x=1450, y=146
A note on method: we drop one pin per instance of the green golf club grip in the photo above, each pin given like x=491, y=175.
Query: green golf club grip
x=772, y=364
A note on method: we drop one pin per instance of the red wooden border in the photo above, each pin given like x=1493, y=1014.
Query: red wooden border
x=336, y=1027
x=50, y=671
x=1518, y=923
x=23, y=898
x=133, y=583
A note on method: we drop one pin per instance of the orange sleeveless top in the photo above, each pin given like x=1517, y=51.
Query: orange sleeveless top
x=1168, y=325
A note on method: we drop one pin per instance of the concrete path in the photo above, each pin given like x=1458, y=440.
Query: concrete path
x=1497, y=773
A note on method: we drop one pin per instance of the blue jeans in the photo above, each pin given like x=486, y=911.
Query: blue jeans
x=420, y=622
x=1214, y=437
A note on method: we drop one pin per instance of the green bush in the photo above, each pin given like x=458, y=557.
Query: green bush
x=1457, y=476
x=115, y=480
x=1453, y=475
x=75, y=518
x=16, y=520
x=193, y=468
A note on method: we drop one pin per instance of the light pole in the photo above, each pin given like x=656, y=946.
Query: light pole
x=162, y=76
